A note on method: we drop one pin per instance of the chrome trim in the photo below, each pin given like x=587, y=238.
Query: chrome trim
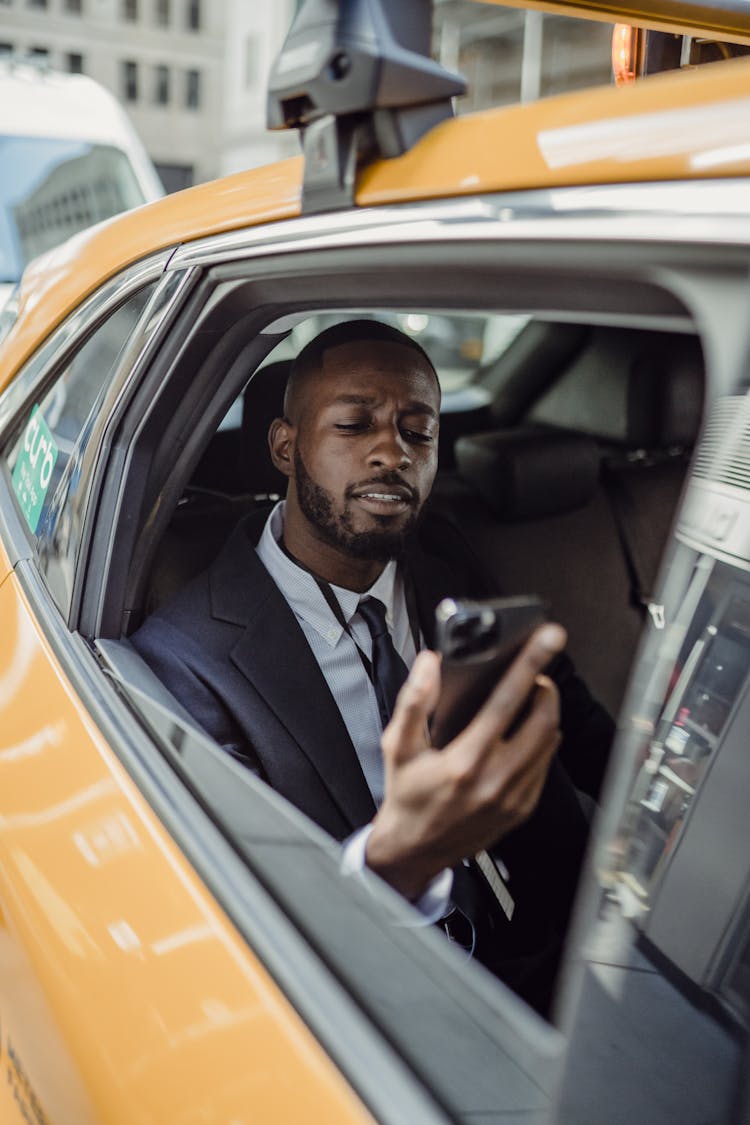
x=715, y=518
x=50, y=353
x=719, y=213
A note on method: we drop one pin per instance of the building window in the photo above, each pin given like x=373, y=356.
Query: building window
x=193, y=89
x=175, y=177
x=129, y=72
x=130, y=10
x=161, y=85
x=74, y=6
x=36, y=3
x=6, y=48
x=162, y=13
x=74, y=62
x=41, y=54
x=194, y=15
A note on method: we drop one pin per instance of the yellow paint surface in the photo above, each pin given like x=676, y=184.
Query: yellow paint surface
x=126, y=995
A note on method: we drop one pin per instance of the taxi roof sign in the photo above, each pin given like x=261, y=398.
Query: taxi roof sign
x=357, y=79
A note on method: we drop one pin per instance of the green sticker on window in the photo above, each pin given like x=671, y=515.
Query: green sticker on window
x=33, y=471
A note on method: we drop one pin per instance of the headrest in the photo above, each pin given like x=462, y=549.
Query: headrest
x=262, y=401
x=525, y=474
x=641, y=390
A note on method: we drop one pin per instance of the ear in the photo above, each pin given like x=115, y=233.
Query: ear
x=281, y=435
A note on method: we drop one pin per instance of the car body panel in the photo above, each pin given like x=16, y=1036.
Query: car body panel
x=729, y=21
x=136, y=997
x=656, y=132
x=675, y=126
x=5, y=564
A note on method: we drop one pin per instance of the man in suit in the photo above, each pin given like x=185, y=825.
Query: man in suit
x=273, y=650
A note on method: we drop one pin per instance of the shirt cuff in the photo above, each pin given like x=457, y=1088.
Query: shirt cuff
x=434, y=902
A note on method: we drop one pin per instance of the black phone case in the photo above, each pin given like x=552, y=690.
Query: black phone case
x=478, y=640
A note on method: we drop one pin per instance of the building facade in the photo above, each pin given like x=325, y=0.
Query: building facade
x=191, y=74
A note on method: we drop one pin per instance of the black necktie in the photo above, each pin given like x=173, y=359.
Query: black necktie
x=388, y=669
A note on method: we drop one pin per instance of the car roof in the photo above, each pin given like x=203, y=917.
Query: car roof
x=658, y=130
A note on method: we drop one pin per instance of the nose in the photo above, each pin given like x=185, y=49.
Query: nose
x=389, y=450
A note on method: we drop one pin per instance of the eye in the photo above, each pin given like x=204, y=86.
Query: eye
x=417, y=436
x=350, y=427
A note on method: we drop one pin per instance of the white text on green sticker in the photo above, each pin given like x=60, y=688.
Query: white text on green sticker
x=33, y=471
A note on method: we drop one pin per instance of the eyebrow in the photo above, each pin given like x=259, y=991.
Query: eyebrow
x=414, y=407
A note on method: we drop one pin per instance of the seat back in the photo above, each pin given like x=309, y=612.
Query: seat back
x=578, y=505
x=205, y=517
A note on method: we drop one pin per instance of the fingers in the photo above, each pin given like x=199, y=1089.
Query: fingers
x=512, y=692
x=541, y=728
x=405, y=734
x=509, y=778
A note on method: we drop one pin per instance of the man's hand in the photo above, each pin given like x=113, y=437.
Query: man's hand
x=443, y=805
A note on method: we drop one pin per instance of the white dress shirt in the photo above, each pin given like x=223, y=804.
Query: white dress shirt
x=351, y=687
x=334, y=649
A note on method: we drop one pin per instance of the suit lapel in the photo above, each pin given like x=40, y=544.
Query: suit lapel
x=273, y=654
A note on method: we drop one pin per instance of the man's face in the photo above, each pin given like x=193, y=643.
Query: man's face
x=365, y=452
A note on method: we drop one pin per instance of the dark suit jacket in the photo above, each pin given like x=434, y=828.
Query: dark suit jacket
x=230, y=649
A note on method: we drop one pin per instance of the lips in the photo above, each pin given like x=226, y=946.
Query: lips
x=385, y=493
x=384, y=499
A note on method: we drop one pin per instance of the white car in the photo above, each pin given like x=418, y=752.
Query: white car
x=69, y=158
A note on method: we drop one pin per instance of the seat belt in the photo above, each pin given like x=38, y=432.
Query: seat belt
x=625, y=516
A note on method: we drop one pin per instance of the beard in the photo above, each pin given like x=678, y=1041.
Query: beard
x=380, y=544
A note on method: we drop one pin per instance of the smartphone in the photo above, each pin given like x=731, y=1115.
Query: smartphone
x=478, y=640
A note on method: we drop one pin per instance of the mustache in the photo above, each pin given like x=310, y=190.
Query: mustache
x=392, y=479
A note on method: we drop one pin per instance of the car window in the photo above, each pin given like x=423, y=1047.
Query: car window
x=458, y=343
x=45, y=456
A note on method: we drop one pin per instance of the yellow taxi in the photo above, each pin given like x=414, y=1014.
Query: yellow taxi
x=177, y=942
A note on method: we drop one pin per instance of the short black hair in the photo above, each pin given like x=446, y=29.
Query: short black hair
x=310, y=359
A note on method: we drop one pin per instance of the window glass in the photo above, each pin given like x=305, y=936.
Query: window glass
x=51, y=188
x=161, y=85
x=129, y=80
x=45, y=458
x=459, y=344
x=192, y=89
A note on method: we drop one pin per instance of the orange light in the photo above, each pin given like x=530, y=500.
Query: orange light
x=626, y=50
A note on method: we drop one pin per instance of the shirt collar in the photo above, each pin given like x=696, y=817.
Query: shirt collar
x=302, y=591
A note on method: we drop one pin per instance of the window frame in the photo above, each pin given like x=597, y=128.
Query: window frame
x=42, y=370
x=285, y=271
